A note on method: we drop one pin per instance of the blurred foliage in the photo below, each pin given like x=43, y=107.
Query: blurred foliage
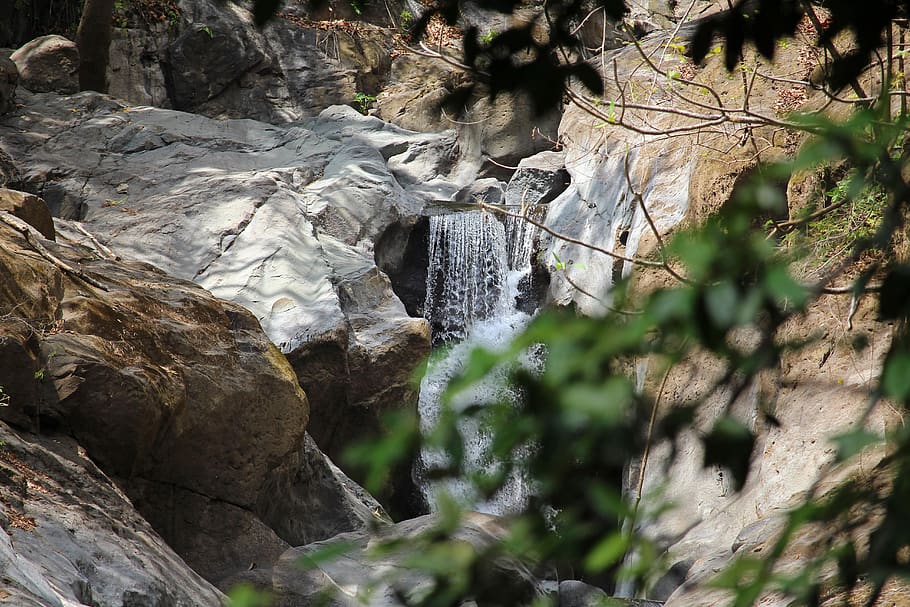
x=583, y=418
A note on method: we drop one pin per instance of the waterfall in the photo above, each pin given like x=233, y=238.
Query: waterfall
x=476, y=267
x=466, y=281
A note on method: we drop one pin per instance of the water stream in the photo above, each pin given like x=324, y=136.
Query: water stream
x=476, y=266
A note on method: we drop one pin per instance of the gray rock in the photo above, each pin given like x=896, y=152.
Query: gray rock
x=359, y=577
x=279, y=220
x=488, y=190
x=68, y=535
x=9, y=173
x=48, y=64
x=573, y=593
x=538, y=180
x=9, y=78
x=207, y=57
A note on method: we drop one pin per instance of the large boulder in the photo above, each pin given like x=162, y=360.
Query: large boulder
x=49, y=64
x=176, y=395
x=68, y=535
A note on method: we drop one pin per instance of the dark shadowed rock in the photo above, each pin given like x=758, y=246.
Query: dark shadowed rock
x=9, y=78
x=48, y=64
x=68, y=535
x=538, y=180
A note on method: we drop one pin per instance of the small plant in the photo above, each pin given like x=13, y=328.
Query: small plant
x=364, y=101
x=208, y=31
x=488, y=37
x=405, y=19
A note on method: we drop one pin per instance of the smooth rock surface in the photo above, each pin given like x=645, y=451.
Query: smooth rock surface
x=279, y=220
x=48, y=64
x=70, y=538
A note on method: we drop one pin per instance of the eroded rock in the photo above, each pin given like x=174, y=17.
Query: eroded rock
x=279, y=220
x=30, y=209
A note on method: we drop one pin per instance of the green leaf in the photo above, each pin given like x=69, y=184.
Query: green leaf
x=783, y=289
x=607, y=552
x=851, y=443
x=721, y=302
x=245, y=595
x=896, y=375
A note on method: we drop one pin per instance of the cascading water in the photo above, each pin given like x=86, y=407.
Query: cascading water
x=472, y=291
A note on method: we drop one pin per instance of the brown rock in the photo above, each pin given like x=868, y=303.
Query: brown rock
x=177, y=395
x=49, y=64
x=30, y=209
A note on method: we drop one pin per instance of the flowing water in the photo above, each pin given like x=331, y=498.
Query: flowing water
x=476, y=266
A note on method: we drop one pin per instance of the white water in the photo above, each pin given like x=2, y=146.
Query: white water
x=472, y=286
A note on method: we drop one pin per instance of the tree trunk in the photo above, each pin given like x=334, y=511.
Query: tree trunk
x=93, y=38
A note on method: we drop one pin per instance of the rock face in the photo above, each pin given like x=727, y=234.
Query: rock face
x=291, y=69
x=9, y=78
x=176, y=395
x=68, y=535
x=279, y=220
x=48, y=64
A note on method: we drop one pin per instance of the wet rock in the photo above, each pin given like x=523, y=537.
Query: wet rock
x=49, y=64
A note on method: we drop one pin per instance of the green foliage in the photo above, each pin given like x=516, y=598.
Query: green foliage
x=245, y=595
x=405, y=19
x=857, y=215
x=364, y=101
x=488, y=37
x=583, y=418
